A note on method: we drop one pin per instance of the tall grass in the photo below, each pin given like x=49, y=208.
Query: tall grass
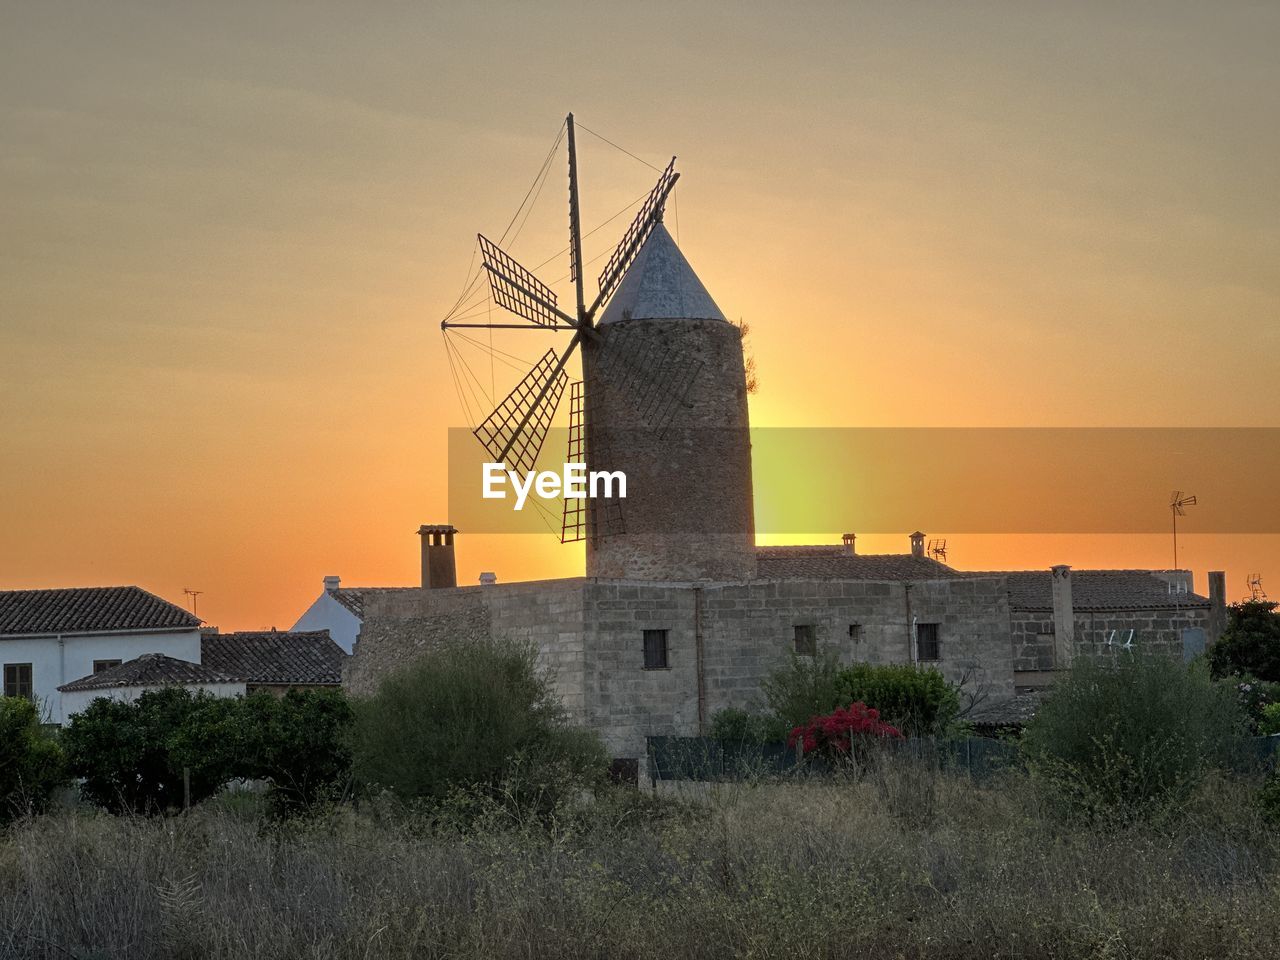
x=903, y=862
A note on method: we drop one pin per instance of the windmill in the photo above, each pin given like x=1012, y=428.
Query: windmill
x=659, y=379
x=1256, y=593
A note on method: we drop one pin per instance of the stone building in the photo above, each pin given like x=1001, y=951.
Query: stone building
x=681, y=614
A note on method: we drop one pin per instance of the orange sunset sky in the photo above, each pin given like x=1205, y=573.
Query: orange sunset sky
x=230, y=232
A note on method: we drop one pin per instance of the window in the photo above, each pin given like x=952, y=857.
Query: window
x=17, y=680
x=100, y=665
x=806, y=640
x=927, y=647
x=855, y=632
x=655, y=649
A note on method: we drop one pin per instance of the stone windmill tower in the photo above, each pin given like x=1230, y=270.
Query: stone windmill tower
x=662, y=398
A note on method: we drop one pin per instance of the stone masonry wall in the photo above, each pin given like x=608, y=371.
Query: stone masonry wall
x=1155, y=631
x=399, y=625
x=688, y=512
x=590, y=633
x=749, y=631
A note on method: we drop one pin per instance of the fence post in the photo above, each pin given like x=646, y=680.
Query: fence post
x=186, y=788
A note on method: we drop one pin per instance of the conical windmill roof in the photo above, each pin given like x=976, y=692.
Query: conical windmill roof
x=660, y=285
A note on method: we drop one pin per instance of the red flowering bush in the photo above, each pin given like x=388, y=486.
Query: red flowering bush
x=838, y=734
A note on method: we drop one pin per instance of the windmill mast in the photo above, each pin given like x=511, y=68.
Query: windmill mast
x=575, y=222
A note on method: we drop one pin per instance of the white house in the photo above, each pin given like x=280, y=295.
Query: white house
x=340, y=610
x=51, y=637
x=229, y=665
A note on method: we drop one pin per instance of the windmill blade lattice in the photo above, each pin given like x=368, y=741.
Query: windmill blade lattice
x=587, y=446
x=637, y=233
x=516, y=289
x=515, y=431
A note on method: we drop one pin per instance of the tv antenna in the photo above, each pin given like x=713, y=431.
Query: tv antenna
x=1178, y=503
x=194, y=595
x=938, y=549
x=1116, y=635
x=1255, y=587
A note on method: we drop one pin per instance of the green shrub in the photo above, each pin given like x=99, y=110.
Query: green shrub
x=479, y=718
x=1269, y=724
x=743, y=726
x=122, y=752
x=1250, y=643
x=1255, y=696
x=1131, y=739
x=917, y=700
x=31, y=763
x=298, y=744
x=133, y=756
x=806, y=687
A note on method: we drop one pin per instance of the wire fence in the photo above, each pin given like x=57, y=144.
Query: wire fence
x=707, y=759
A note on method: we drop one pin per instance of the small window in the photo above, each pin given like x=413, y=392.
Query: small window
x=855, y=632
x=655, y=649
x=927, y=647
x=17, y=680
x=100, y=665
x=806, y=640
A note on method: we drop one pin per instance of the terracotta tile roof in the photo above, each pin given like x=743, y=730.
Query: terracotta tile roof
x=1095, y=590
x=150, y=669
x=267, y=657
x=831, y=562
x=88, y=610
x=1014, y=711
x=274, y=657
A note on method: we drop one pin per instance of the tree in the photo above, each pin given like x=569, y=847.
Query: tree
x=31, y=764
x=1250, y=644
x=123, y=751
x=304, y=746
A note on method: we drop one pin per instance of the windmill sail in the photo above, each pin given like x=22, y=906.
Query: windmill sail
x=583, y=518
x=518, y=290
x=515, y=431
x=637, y=233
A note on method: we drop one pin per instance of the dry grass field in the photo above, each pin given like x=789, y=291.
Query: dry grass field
x=904, y=863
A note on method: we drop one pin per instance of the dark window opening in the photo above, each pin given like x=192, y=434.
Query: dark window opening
x=100, y=665
x=855, y=632
x=927, y=646
x=655, y=649
x=806, y=640
x=17, y=680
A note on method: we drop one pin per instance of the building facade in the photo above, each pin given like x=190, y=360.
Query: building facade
x=51, y=637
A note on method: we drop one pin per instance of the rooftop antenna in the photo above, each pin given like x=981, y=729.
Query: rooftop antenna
x=1178, y=503
x=1255, y=587
x=193, y=594
x=938, y=549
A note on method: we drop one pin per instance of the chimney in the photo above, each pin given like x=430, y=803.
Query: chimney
x=917, y=544
x=439, y=568
x=331, y=584
x=850, y=546
x=1064, y=618
x=488, y=579
x=1217, y=605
